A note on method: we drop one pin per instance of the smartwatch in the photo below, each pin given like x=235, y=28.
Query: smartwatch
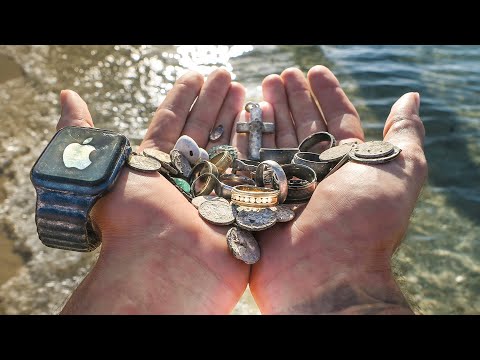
x=78, y=166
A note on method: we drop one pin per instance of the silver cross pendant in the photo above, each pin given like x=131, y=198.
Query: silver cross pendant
x=255, y=127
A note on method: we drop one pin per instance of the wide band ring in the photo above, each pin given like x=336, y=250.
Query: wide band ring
x=299, y=191
x=312, y=160
x=223, y=161
x=253, y=196
x=203, y=167
x=281, y=156
x=316, y=138
x=279, y=178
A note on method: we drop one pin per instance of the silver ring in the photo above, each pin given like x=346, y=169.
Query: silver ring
x=279, y=178
x=299, y=191
x=234, y=180
x=316, y=138
x=281, y=156
x=312, y=160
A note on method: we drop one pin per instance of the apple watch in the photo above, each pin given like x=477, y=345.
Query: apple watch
x=78, y=166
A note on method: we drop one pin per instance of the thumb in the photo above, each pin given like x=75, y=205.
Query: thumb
x=404, y=126
x=74, y=111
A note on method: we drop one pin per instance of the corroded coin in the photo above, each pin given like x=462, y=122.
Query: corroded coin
x=255, y=219
x=373, y=149
x=216, y=212
x=157, y=154
x=335, y=153
x=199, y=200
x=283, y=213
x=164, y=159
x=243, y=245
x=216, y=133
x=143, y=163
x=181, y=163
x=379, y=160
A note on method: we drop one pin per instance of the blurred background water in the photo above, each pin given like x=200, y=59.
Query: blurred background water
x=438, y=264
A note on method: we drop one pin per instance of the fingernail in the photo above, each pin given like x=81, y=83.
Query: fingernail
x=417, y=101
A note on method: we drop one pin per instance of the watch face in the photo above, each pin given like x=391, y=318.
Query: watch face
x=85, y=156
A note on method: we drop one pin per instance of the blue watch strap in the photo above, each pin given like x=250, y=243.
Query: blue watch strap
x=63, y=220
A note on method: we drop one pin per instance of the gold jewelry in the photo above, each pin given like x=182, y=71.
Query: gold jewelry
x=253, y=196
x=222, y=161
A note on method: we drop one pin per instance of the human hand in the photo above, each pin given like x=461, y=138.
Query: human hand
x=335, y=256
x=158, y=255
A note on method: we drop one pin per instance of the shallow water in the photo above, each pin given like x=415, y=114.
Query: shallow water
x=439, y=262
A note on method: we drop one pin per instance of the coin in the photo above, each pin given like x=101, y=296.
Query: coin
x=143, y=163
x=164, y=159
x=373, y=149
x=199, y=200
x=216, y=212
x=216, y=133
x=243, y=245
x=335, y=153
x=181, y=163
x=255, y=219
x=157, y=154
x=396, y=151
x=283, y=213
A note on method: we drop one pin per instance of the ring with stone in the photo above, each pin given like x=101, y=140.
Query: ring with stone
x=279, y=180
x=316, y=138
x=223, y=161
x=253, y=196
x=203, y=167
x=281, y=156
x=299, y=191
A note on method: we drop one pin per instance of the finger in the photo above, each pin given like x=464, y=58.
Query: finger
x=74, y=111
x=340, y=115
x=240, y=140
x=274, y=93
x=268, y=139
x=170, y=117
x=305, y=113
x=404, y=127
x=205, y=111
x=226, y=117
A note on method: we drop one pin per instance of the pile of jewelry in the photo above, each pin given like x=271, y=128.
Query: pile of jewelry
x=254, y=194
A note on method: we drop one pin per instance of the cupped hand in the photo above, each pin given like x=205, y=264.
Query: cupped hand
x=158, y=255
x=335, y=256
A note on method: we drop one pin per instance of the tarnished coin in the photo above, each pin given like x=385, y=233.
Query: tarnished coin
x=143, y=163
x=181, y=163
x=164, y=159
x=335, y=153
x=216, y=212
x=373, y=149
x=157, y=154
x=216, y=133
x=199, y=200
x=256, y=219
x=283, y=213
x=243, y=245
x=379, y=160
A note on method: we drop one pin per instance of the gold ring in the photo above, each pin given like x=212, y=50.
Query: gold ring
x=253, y=196
x=223, y=160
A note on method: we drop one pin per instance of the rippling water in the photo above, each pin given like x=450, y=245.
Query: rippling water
x=439, y=262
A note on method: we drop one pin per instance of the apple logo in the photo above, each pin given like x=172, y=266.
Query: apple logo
x=77, y=155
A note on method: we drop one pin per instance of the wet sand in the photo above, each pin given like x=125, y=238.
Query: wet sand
x=9, y=260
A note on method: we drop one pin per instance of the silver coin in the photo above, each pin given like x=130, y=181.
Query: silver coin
x=373, y=149
x=143, y=163
x=181, y=163
x=255, y=219
x=216, y=133
x=335, y=153
x=216, y=212
x=396, y=151
x=161, y=156
x=199, y=200
x=283, y=213
x=243, y=245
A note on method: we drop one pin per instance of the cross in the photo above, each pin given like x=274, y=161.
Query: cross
x=255, y=127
